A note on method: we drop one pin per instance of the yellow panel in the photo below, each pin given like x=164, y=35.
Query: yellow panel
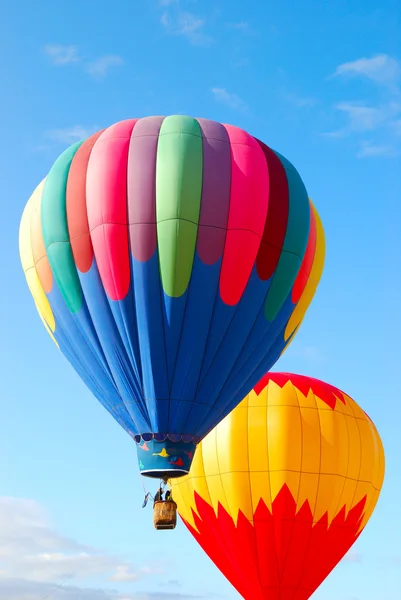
x=210, y=461
x=359, y=413
x=217, y=492
x=330, y=494
x=213, y=466
x=370, y=506
x=362, y=489
x=232, y=443
x=354, y=444
x=183, y=501
x=285, y=396
x=345, y=408
x=308, y=488
x=279, y=478
x=348, y=494
x=28, y=265
x=25, y=248
x=381, y=465
x=257, y=438
x=334, y=442
x=238, y=494
x=311, y=450
x=254, y=399
x=308, y=400
x=260, y=488
x=199, y=483
x=284, y=438
x=369, y=451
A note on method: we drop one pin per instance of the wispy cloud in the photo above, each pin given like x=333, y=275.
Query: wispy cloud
x=229, y=99
x=187, y=25
x=97, y=68
x=100, y=67
x=361, y=117
x=62, y=55
x=242, y=27
x=70, y=135
x=368, y=149
x=382, y=69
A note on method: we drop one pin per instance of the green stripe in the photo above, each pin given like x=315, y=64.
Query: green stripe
x=179, y=170
x=55, y=230
x=295, y=241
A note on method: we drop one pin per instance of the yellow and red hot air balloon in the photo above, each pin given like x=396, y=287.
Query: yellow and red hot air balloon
x=281, y=489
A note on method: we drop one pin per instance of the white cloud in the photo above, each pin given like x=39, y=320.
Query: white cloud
x=70, y=135
x=31, y=549
x=367, y=149
x=381, y=69
x=231, y=100
x=187, y=25
x=100, y=67
x=62, y=55
x=37, y=562
x=361, y=118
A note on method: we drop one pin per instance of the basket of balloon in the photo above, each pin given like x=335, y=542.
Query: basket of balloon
x=165, y=514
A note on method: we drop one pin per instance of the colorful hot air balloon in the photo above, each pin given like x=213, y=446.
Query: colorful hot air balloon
x=172, y=260
x=280, y=490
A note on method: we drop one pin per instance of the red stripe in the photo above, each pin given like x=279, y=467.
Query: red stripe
x=277, y=216
x=77, y=219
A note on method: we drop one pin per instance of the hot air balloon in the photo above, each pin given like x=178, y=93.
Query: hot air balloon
x=280, y=490
x=172, y=261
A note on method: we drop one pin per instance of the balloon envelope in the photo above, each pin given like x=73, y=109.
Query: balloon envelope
x=280, y=490
x=172, y=261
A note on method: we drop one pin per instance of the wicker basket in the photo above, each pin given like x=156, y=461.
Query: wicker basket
x=165, y=514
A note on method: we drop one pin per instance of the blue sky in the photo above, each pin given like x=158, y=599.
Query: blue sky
x=320, y=82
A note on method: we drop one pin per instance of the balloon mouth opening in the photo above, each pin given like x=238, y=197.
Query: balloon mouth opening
x=163, y=437
x=166, y=474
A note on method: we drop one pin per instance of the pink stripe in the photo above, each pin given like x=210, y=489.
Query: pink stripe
x=247, y=213
x=106, y=198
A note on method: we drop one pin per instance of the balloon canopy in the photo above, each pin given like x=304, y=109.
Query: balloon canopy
x=280, y=490
x=172, y=260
